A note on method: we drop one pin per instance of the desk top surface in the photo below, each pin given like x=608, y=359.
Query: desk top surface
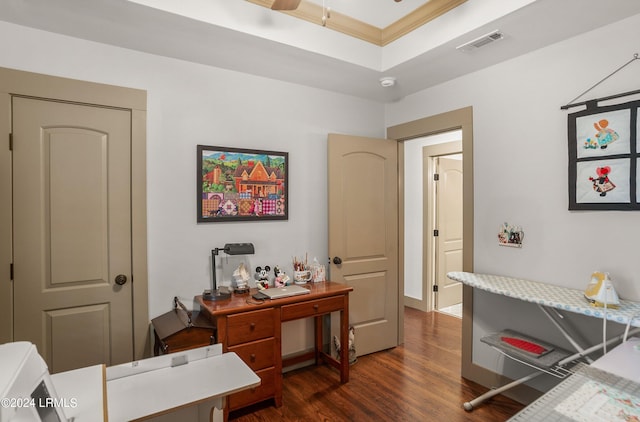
x=156, y=392
x=244, y=302
x=87, y=386
x=564, y=298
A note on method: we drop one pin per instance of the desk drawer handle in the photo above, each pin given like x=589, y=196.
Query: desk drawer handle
x=252, y=326
x=316, y=307
x=252, y=357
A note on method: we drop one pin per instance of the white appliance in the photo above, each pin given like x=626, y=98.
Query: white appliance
x=26, y=390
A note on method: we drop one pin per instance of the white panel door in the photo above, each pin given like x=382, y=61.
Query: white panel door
x=449, y=224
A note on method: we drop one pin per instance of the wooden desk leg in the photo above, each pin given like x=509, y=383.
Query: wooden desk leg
x=344, y=341
x=318, y=338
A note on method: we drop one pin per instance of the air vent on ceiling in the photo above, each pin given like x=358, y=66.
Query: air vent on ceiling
x=481, y=41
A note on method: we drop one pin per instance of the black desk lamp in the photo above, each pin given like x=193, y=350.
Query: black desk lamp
x=229, y=249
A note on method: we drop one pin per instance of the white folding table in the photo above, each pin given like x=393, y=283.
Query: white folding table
x=155, y=386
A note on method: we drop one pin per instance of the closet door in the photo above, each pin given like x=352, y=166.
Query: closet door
x=72, y=232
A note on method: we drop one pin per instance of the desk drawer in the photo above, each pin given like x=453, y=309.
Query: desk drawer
x=257, y=354
x=265, y=390
x=312, y=308
x=250, y=326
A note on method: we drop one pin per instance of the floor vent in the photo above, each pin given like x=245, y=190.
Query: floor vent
x=481, y=41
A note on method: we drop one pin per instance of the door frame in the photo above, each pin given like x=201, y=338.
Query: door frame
x=445, y=122
x=15, y=82
x=429, y=199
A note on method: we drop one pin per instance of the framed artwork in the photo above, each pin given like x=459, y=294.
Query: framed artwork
x=237, y=184
x=603, y=158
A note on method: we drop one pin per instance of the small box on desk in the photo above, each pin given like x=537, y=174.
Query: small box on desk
x=181, y=329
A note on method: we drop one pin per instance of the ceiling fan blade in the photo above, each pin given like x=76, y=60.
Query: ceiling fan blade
x=285, y=4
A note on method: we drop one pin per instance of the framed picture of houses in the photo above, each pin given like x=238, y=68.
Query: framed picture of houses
x=237, y=184
x=603, y=158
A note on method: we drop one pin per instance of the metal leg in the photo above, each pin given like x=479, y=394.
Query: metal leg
x=582, y=353
x=595, y=348
x=564, y=332
x=468, y=406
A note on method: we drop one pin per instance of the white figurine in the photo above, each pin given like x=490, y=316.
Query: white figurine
x=241, y=276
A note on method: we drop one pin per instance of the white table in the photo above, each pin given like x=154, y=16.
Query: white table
x=608, y=389
x=153, y=388
x=623, y=360
x=85, y=391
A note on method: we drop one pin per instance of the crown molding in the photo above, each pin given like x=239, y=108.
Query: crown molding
x=347, y=25
x=425, y=13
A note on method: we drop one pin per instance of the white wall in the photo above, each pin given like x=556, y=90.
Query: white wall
x=190, y=104
x=520, y=172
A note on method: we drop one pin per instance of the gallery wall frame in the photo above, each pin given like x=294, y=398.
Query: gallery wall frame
x=603, y=158
x=237, y=184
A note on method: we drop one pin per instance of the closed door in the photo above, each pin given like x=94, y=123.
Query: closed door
x=363, y=235
x=449, y=224
x=72, y=232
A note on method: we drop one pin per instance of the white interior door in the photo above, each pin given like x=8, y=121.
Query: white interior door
x=449, y=225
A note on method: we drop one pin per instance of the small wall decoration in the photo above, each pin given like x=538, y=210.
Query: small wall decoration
x=510, y=235
x=237, y=184
x=603, y=158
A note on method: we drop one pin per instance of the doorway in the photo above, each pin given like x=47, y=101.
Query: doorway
x=457, y=119
x=420, y=244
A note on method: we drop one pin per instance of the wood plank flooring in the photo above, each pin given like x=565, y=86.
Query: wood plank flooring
x=417, y=381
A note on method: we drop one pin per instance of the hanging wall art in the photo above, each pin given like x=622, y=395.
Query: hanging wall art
x=241, y=184
x=603, y=158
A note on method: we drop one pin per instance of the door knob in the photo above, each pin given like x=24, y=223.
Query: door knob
x=120, y=279
x=337, y=260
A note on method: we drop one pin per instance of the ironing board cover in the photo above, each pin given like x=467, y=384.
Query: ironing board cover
x=563, y=298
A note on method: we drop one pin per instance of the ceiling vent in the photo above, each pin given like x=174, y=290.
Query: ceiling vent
x=481, y=41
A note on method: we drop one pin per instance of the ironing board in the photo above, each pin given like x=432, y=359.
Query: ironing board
x=548, y=296
x=563, y=298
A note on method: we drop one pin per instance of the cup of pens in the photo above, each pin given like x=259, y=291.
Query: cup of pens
x=301, y=271
x=302, y=277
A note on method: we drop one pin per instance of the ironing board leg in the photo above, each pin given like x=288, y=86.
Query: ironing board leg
x=468, y=406
x=565, y=333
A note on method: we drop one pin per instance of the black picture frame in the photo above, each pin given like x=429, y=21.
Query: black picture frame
x=603, y=158
x=237, y=184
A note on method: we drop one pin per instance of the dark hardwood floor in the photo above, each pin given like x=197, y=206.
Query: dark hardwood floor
x=417, y=381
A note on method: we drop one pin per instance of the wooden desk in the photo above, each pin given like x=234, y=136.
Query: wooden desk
x=253, y=331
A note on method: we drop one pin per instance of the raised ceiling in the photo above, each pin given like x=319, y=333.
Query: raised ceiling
x=243, y=36
x=378, y=22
